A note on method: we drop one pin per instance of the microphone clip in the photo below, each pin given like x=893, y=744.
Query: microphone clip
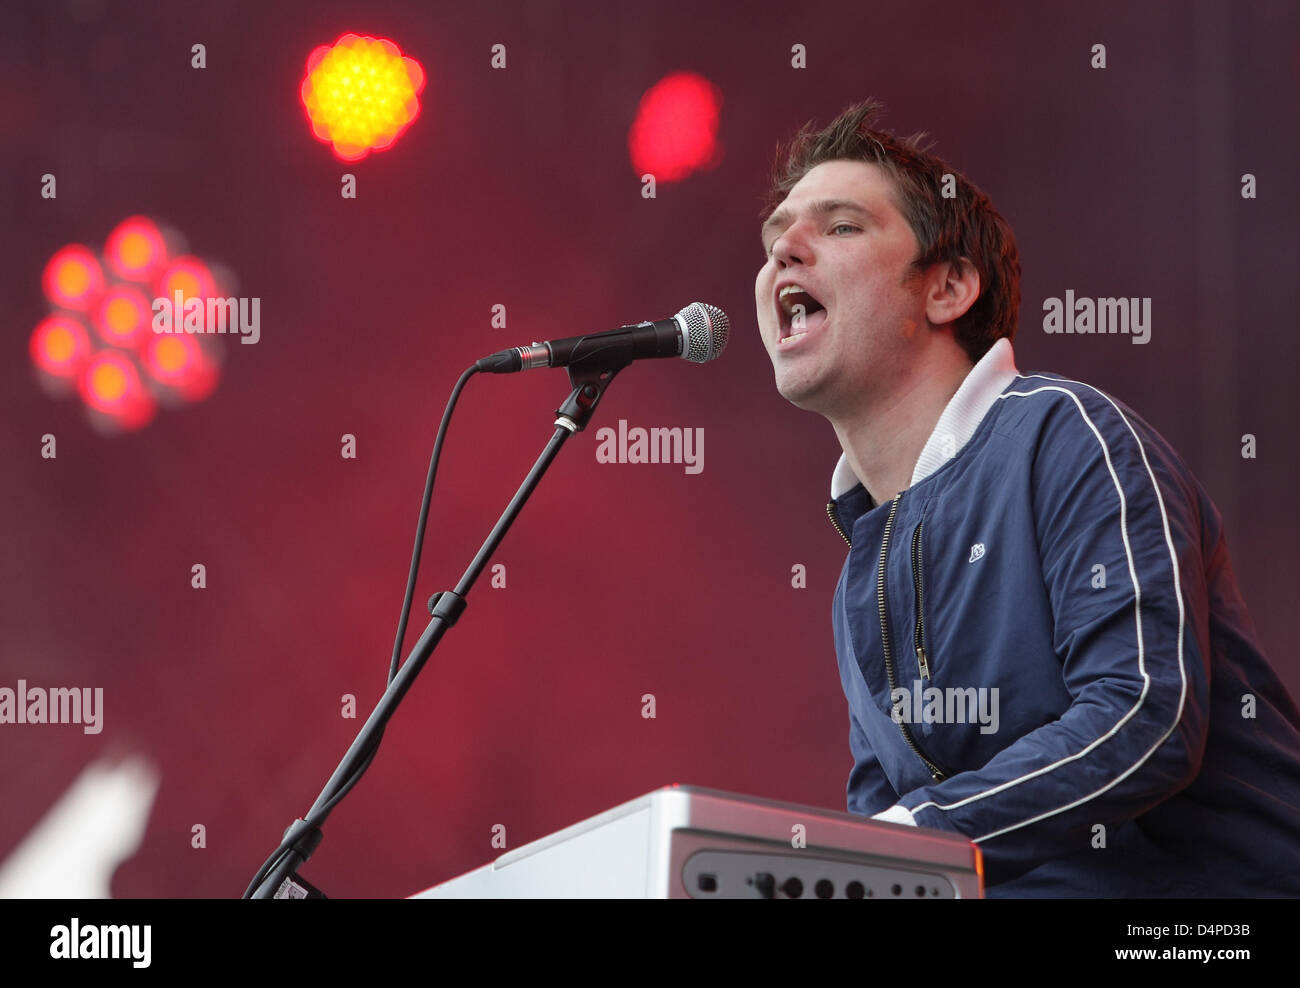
x=589, y=378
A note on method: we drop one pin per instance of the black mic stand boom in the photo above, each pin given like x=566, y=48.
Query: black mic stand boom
x=589, y=379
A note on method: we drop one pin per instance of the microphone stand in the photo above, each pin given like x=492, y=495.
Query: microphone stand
x=589, y=378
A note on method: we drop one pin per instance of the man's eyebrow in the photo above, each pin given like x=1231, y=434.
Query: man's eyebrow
x=822, y=207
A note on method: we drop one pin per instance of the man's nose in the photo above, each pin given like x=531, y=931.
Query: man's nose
x=791, y=247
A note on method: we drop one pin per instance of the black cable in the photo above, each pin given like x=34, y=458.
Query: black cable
x=317, y=816
x=424, y=517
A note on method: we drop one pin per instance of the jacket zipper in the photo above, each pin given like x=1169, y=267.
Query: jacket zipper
x=937, y=773
x=834, y=516
x=921, y=659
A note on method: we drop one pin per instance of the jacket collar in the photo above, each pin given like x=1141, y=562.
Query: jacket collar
x=961, y=416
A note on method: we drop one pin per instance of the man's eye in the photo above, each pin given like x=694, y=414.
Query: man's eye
x=842, y=226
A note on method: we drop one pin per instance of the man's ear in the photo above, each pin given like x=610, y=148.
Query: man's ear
x=954, y=287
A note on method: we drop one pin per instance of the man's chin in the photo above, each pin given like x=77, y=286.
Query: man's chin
x=801, y=394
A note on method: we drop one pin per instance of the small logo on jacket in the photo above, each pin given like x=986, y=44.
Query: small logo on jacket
x=976, y=551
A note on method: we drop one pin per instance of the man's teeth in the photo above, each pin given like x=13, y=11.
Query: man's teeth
x=791, y=338
x=789, y=289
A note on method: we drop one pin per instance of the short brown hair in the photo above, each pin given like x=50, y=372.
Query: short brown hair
x=946, y=229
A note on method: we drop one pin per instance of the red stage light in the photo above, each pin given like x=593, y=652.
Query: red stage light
x=136, y=249
x=73, y=278
x=170, y=357
x=123, y=316
x=179, y=364
x=114, y=294
x=59, y=346
x=110, y=384
x=361, y=94
x=190, y=277
x=676, y=128
x=107, y=380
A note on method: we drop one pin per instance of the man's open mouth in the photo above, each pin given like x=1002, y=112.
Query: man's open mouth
x=800, y=313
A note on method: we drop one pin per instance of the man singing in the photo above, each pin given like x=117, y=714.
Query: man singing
x=1039, y=633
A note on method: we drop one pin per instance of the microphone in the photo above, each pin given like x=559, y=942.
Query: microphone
x=697, y=333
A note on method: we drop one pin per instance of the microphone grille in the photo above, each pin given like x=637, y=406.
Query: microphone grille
x=705, y=331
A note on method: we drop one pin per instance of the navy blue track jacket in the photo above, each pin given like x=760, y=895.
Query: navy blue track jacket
x=1056, y=661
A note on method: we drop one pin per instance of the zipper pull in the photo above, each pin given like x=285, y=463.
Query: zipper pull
x=923, y=662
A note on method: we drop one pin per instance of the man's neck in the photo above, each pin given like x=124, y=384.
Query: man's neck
x=883, y=440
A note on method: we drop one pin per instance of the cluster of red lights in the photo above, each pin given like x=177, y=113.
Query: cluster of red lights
x=99, y=340
x=360, y=94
